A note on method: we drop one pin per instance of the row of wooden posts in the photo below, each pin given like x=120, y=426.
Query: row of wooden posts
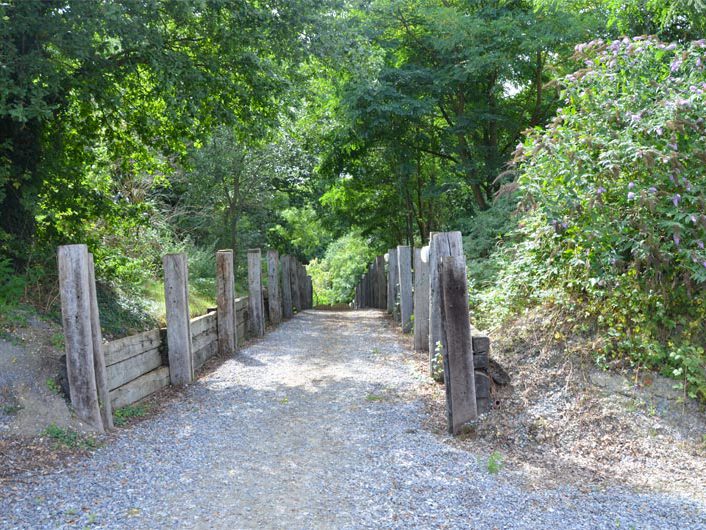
x=425, y=290
x=289, y=289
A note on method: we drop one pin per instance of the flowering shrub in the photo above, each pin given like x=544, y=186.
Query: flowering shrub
x=614, y=191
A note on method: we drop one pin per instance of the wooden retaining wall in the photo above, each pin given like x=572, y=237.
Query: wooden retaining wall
x=138, y=365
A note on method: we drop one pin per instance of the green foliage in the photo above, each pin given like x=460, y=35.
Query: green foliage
x=495, y=463
x=11, y=286
x=69, y=438
x=614, y=197
x=53, y=386
x=335, y=276
x=123, y=415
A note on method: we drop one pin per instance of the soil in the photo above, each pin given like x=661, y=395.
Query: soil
x=563, y=420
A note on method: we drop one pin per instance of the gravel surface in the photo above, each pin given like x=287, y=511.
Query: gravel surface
x=318, y=425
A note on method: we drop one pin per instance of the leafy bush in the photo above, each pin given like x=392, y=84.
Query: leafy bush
x=11, y=285
x=614, y=195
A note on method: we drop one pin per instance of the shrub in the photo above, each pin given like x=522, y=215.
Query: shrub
x=614, y=195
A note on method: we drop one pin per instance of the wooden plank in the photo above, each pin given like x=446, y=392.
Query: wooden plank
x=121, y=349
x=294, y=280
x=176, y=296
x=256, y=309
x=201, y=355
x=459, y=375
x=441, y=244
x=287, y=287
x=274, y=302
x=98, y=355
x=132, y=368
x=421, y=299
x=225, y=301
x=404, y=264
x=393, y=280
x=140, y=388
x=204, y=324
x=199, y=341
x=241, y=303
x=74, y=289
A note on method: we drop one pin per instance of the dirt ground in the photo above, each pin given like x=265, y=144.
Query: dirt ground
x=562, y=420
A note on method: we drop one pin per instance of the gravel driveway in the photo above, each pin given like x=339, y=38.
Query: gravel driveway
x=316, y=426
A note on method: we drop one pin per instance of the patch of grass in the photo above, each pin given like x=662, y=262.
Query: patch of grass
x=495, y=463
x=123, y=415
x=69, y=438
x=53, y=386
x=284, y=400
x=57, y=341
x=373, y=397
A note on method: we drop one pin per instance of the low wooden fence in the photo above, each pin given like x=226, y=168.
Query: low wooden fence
x=425, y=290
x=103, y=377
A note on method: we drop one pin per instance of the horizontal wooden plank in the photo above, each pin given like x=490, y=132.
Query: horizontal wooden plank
x=132, y=368
x=241, y=303
x=203, y=354
x=140, y=388
x=203, y=340
x=203, y=324
x=121, y=349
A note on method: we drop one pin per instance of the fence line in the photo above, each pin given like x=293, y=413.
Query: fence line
x=426, y=292
x=106, y=376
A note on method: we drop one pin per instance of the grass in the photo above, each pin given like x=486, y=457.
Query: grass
x=69, y=439
x=373, y=397
x=495, y=463
x=201, y=296
x=11, y=409
x=53, y=386
x=123, y=415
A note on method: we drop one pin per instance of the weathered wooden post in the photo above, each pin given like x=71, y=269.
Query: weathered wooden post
x=421, y=299
x=381, y=302
x=286, y=286
x=176, y=299
x=310, y=292
x=275, y=300
x=296, y=289
x=76, y=313
x=441, y=244
x=225, y=302
x=363, y=301
x=256, y=307
x=404, y=264
x=459, y=373
x=98, y=355
x=393, y=279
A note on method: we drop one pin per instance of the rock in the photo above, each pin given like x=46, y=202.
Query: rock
x=497, y=373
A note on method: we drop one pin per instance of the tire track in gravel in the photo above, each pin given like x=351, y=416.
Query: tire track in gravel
x=318, y=425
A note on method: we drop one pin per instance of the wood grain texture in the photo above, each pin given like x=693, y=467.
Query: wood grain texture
x=404, y=264
x=225, y=302
x=176, y=296
x=421, y=299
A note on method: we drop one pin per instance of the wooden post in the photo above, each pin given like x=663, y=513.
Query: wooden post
x=459, y=374
x=296, y=292
x=363, y=301
x=381, y=302
x=75, y=291
x=404, y=264
x=303, y=287
x=176, y=299
x=98, y=356
x=225, y=302
x=393, y=279
x=309, y=292
x=421, y=299
x=441, y=244
x=275, y=300
x=256, y=308
x=286, y=286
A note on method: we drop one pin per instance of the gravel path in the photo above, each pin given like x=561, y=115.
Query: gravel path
x=316, y=426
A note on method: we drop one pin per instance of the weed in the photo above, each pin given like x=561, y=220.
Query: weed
x=57, y=341
x=284, y=400
x=69, y=438
x=495, y=463
x=122, y=415
x=373, y=397
x=53, y=386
